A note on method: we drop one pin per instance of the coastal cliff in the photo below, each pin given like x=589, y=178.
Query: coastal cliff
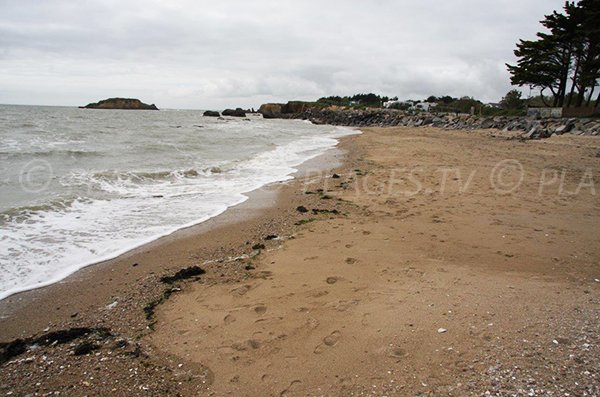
x=120, y=103
x=292, y=109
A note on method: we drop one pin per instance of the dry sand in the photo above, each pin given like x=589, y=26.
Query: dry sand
x=457, y=265
x=434, y=290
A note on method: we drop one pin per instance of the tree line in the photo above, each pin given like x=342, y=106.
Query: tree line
x=368, y=100
x=564, y=60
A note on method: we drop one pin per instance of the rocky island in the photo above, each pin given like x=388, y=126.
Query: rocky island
x=120, y=103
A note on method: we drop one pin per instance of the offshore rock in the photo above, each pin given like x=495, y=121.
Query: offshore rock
x=238, y=112
x=120, y=103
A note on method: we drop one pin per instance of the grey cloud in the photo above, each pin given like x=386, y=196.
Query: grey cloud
x=200, y=54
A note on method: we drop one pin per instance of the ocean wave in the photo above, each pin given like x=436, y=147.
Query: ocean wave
x=139, y=176
x=21, y=214
x=110, y=211
x=50, y=153
x=128, y=184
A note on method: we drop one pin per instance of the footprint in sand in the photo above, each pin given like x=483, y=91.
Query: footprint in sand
x=260, y=310
x=312, y=322
x=328, y=341
x=342, y=306
x=228, y=319
x=396, y=352
x=286, y=392
x=246, y=345
x=332, y=338
x=365, y=319
x=241, y=290
x=318, y=294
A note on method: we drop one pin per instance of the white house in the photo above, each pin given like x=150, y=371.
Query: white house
x=423, y=106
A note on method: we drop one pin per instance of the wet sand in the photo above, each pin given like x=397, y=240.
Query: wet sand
x=442, y=263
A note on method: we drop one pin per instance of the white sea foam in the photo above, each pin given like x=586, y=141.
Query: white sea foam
x=93, y=214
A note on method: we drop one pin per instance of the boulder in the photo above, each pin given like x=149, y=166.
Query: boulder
x=487, y=123
x=120, y=103
x=238, y=112
x=533, y=133
x=211, y=113
x=564, y=129
x=270, y=110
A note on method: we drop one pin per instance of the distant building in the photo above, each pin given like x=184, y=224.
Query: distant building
x=390, y=104
x=398, y=104
x=423, y=106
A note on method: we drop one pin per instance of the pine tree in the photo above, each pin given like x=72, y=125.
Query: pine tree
x=568, y=53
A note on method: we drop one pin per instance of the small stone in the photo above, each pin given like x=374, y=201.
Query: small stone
x=111, y=305
x=442, y=330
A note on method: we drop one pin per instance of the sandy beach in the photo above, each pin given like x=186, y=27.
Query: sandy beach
x=427, y=262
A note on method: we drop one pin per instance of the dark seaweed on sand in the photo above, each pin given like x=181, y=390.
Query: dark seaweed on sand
x=183, y=274
x=20, y=346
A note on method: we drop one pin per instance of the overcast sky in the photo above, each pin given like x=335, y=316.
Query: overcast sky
x=217, y=54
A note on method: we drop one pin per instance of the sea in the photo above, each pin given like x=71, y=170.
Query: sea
x=80, y=186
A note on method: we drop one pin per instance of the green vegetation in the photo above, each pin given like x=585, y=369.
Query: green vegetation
x=511, y=105
x=512, y=100
x=358, y=100
x=565, y=60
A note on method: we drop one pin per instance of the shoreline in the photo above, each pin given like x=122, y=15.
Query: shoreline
x=243, y=197
x=251, y=210
x=370, y=291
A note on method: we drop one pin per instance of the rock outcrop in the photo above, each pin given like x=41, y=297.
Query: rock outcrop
x=271, y=110
x=120, y=103
x=296, y=107
x=276, y=110
x=238, y=112
x=211, y=113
